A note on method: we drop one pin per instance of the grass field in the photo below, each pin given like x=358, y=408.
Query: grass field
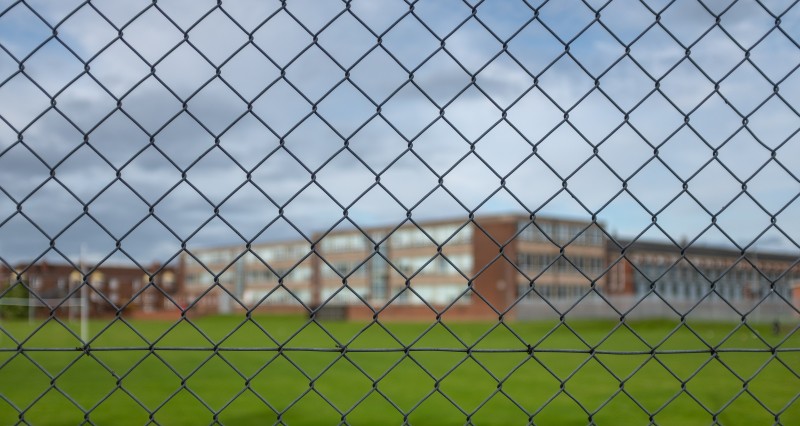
x=430, y=384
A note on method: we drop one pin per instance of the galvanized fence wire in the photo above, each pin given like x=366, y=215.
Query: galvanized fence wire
x=216, y=348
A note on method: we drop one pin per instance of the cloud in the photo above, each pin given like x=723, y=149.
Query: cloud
x=312, y=148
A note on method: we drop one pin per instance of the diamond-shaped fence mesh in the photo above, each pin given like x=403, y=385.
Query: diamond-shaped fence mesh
x=399, y=212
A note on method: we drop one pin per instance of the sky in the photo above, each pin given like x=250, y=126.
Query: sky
x=186, y=108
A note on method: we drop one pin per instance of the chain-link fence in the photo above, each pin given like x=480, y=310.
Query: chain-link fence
x=415, y=212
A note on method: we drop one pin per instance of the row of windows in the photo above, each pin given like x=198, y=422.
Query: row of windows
x=298, y=274
x=406, y=237
x=439, y=294
x=683, y=271
x=536, y=262
x=215, y=257
x=402, y=238
x=344, y=243
x=278, y=297
x=694, y=289
x=413, y=237
x=704, y=261
x=267, y=254
x=408, y=265
x=561, y=233
x=279, y=252
x=439, y=265
x=553, y=292
x=345, y=268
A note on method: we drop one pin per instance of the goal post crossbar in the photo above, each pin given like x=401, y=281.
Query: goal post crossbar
x=34, y=302
x=31, y=302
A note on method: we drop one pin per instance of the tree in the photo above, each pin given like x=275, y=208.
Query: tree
x=18, y=291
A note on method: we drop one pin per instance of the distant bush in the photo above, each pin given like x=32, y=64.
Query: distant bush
x=18, y=291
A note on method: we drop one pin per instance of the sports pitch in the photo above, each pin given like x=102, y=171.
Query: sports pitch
x=514, y=373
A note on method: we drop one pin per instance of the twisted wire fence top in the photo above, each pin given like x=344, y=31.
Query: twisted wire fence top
x=406, y=166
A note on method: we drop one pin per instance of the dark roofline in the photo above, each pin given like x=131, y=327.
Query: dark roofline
x=346, y=227
x=461, y=220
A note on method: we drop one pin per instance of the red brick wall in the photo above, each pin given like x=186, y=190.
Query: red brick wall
x=497, y=282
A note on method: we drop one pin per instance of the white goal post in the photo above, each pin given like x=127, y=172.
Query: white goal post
x=32, y=302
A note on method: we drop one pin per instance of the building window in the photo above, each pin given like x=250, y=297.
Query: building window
x=378, y=287
x=548, y=229
x=413, y=237
x=266, y=254
x=562, y=233
x=300, y=273
x=464, y=236
x=343, y=268
x=410, y=265
x=259, y=275
x=215, y=256
x=463, y=262
x=642, y=284
x=441, y=234
x=594, y=236
x=409, y=238
x=344, y=243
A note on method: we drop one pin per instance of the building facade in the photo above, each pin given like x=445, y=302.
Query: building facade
x=505, y=265
x=56, y=288
x=490, y=266
x=227, y=279
x=706, y=282
x=471, y=269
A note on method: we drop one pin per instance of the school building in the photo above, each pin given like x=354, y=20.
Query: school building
x=507, y=265
x=47, y=288
x=454, y=268
x=483, y=268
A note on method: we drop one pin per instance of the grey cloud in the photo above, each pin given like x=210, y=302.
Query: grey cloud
x=504, y=81
x=282, y=177
x=249, y=13
x=20, y=240
x=347, y=40
x=52, y=137
x=284, y=115
x=440, y=146
x=379, y=14
x=282, y=38
x=377, y=144
x=18, y=113
x=442, y=78
x=21, y=172
x=52, y=197
x=473, y=45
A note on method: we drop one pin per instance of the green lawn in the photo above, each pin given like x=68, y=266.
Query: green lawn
x=248, y=381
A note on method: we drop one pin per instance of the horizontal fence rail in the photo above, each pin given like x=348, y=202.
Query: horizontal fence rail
x=399, y=212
